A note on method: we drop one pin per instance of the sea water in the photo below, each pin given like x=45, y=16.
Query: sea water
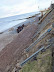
x=8, y=22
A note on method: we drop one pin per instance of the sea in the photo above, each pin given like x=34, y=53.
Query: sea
x=8, y=22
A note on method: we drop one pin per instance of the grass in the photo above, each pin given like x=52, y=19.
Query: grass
x=43, y=63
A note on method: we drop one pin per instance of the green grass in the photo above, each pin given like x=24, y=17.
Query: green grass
x=43, y=63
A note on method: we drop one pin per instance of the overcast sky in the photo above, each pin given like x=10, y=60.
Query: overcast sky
x=16, y=7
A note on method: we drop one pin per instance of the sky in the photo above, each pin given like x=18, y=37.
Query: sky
x=16, y=7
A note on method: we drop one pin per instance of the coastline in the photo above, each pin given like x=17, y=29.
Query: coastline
x=9, y=22
x=8, y=35
x=27, y=46
x=12, y=44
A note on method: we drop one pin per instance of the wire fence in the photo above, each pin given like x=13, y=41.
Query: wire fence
x=35, y=54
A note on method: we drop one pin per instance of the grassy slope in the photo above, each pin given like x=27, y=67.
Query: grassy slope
x=43, y=63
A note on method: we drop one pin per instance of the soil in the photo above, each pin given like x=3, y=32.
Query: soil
x=14, y=50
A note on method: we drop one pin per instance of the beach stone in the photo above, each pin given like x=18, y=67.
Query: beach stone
x=18, y=65
x=14, y=70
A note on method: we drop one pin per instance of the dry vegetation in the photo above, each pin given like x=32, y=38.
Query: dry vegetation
x=43, y=63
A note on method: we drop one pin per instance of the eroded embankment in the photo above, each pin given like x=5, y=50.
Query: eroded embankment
x=44, y=61
x=14, y=51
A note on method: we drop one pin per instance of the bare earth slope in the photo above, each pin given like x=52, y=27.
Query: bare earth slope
x=6, y=39
x=14, y=50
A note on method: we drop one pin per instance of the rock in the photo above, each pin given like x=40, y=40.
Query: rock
x=18, y=66
x=14, y=70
